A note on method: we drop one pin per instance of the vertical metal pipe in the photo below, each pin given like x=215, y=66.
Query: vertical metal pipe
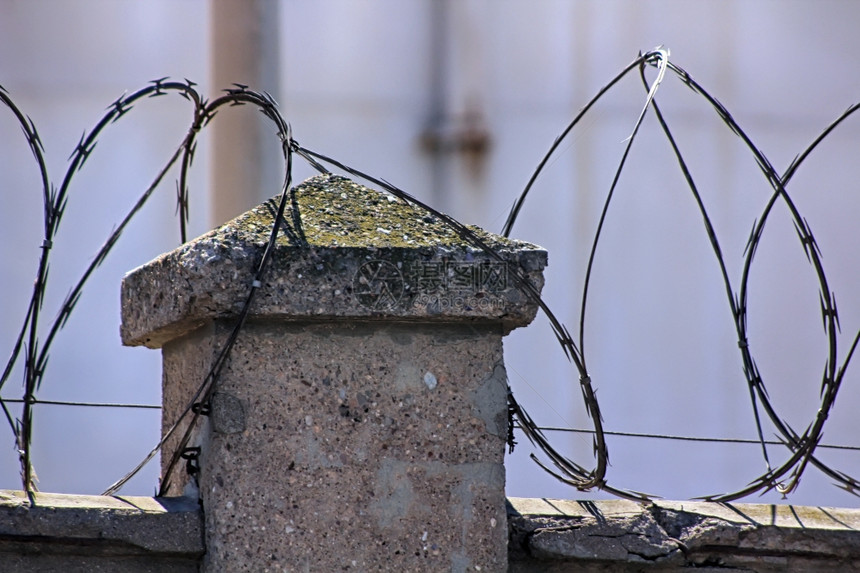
x=456, y=135
x=439, y=38
x=246, y=159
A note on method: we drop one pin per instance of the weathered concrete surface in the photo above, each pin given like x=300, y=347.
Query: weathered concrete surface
x=78, y=533
x=566, y=536
x=360, y=421
x=355, y=446
x=345, y=252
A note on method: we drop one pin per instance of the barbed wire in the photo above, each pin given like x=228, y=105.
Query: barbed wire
x=672, y=437
x=803, y=445
x=55, y=201
x=783, y=477
x=35, y=401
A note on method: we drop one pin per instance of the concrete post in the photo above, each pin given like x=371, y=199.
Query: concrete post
x=361, y=420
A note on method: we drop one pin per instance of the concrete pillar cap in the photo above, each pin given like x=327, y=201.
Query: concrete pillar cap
x=344, y=251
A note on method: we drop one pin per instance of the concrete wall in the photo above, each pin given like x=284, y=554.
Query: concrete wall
x=550, y=535
x=82, y=534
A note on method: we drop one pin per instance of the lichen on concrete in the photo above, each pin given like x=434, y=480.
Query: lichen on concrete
x=334, y=211
x=342, y=251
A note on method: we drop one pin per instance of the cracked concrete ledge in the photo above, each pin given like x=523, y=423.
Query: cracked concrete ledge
x=548, y=535
x=72, y=533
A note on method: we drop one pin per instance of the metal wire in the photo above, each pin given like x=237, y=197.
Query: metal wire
x=783, y=477
x=84, y=404
x=686, y=438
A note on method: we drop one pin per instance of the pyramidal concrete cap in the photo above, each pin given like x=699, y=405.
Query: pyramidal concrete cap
x=343, y=251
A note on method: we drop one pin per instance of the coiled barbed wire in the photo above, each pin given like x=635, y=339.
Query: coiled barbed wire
x=800, y=445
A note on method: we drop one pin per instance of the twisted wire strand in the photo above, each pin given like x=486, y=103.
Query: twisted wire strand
x=800, y=445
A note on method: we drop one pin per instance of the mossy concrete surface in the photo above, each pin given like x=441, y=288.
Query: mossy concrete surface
x=342, y=251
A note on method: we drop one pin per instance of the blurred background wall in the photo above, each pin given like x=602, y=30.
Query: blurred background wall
x=456, y=102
